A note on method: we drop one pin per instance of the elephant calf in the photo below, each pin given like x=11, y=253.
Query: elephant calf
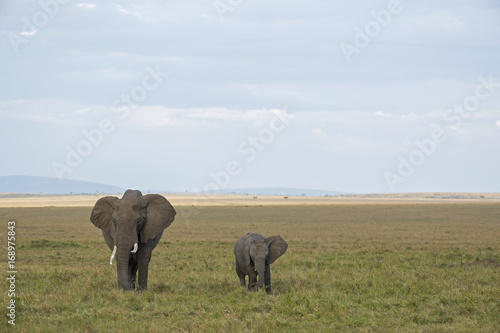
x=254, y=254
x=132, y=227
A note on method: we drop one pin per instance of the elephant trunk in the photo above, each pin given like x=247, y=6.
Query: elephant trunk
x=122, y=269
x=260, y=268
x=123, y=250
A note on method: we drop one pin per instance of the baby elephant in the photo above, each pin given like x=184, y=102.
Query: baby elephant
x=254, y=254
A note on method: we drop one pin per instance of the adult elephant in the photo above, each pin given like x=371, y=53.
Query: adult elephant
x=254, y=254
x=132, y=227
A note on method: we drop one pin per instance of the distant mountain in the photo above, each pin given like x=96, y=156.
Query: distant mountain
x=278, y=191
x=45, y=185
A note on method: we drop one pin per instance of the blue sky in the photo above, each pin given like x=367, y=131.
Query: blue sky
x=353, y=96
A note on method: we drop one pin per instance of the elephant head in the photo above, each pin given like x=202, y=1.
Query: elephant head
x=254, y=254
x=132, y=226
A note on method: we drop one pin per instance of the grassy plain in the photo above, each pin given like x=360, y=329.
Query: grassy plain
x=351, y=267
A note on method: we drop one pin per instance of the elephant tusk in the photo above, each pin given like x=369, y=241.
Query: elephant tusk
x=135, y=248
x=112, y=256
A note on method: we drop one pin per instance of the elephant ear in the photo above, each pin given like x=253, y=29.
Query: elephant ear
x=159, y=215
x=102, y=212
x=277, y=247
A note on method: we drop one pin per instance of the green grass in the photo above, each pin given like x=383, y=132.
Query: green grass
x=348, y=268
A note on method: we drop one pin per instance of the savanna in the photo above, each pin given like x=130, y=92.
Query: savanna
x=356, y=266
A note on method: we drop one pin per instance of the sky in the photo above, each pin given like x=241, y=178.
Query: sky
x=349, y=96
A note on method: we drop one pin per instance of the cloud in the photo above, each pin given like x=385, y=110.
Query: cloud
x=122, y=10
x=318, y=131
x=86, y=5
x=284, y=92
x=28, y=34
x=157, y=117
x=228, y=78
x=114, y=73
x=43, y=111
x=440, y=21
x=382, y=114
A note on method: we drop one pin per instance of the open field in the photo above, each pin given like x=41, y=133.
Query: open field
x=188, y=199
x=412, y=266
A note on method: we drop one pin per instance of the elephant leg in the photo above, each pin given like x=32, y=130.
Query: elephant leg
x=143, y=276
x=143, y=258
x=252, y=279
x=241, y=275
x=267, y=280
x=132, y=272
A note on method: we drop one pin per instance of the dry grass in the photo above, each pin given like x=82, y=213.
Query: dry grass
x=196, y=200
x=350, y=267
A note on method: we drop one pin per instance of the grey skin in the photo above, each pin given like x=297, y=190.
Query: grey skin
x=254, y=253
x=132, y=227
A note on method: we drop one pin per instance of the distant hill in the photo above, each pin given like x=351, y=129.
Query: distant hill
x=278, y=191
x=45, y=185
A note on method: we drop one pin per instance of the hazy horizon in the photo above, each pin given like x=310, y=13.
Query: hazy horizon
x=379, y=97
